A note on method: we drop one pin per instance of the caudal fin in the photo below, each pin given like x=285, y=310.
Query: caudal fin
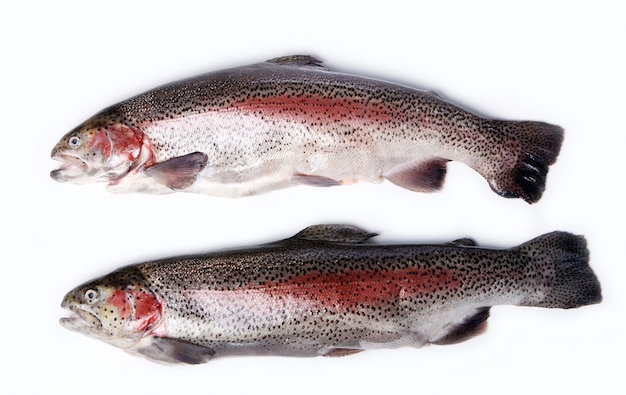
x=572, y=282
x=539, y=145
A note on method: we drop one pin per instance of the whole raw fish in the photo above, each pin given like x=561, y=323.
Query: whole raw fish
x=291, y=121
x=325, y=292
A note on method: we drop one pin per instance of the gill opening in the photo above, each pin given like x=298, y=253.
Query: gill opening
x=145, y=158
x=108, y=159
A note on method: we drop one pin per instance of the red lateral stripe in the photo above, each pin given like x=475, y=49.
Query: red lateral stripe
x=317, y=108
x=345, y=291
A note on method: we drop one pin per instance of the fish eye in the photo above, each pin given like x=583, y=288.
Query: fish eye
x=74, y=141
x=91, y=296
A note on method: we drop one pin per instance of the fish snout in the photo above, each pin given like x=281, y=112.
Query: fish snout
x=72, y=167
x=81, y=318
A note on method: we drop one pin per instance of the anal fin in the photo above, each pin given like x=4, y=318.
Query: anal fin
x=471, y=326
x=179, y=172
x=419, y=176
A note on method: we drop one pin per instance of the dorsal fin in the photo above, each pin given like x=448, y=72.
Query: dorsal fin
x=334, y=234
x=299, y=61
x=465, y=242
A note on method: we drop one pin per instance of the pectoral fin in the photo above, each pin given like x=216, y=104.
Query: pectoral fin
x=176, y=351
x=179, y=172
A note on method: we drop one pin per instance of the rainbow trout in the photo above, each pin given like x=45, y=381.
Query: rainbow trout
x=324, y=291
x=292, y=121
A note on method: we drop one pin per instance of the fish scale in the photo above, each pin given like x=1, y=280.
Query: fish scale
x=291, y=121
x=325, y=291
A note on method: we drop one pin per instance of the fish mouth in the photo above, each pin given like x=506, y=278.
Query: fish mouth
x=81, y=320
x=71, y=168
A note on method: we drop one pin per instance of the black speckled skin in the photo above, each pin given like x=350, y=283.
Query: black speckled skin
x=308, y=296
x=290, y=121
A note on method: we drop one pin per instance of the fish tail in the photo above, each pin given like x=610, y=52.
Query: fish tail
x=562, y=258
x=539, y=145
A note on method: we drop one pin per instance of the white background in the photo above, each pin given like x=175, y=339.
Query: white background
x=558, y=62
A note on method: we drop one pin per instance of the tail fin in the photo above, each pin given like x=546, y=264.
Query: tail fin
x=565, y=257
x=540, y=145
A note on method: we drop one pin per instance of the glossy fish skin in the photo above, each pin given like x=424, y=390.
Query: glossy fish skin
x=325, y=291
x=292, y=121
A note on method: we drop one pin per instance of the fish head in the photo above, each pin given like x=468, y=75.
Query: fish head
x=98, y=150
x=118, y=308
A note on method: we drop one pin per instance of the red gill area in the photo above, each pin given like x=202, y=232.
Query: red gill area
x=141, y=307
x=315, y=108
x=126, y=141
x=349, y=291
x=100, y=142
x=118, y=300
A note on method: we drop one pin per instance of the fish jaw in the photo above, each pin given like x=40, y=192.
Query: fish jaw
x=76, y=170
x=72, y=168
x=81, y=321
x=88, y=324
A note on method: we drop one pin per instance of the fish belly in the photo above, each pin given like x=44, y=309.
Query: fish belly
x=249, y=154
